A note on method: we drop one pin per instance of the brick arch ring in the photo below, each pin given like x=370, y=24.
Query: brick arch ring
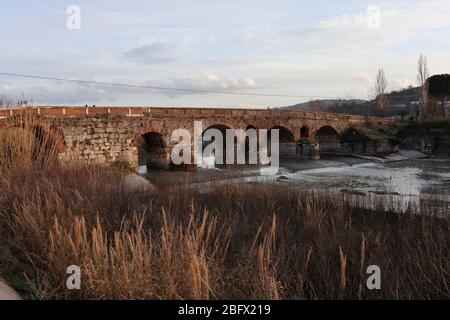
x=56, y=137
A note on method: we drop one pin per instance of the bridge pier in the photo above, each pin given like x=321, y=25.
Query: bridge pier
x=308, y=150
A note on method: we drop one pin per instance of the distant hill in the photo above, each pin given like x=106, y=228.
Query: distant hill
x=327, y=103
x=401, y=103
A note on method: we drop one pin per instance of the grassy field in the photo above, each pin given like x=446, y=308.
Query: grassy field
x=234, y=242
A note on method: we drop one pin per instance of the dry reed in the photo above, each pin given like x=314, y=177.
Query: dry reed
x=232, y=242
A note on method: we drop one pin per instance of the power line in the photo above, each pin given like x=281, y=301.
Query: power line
x=155, y=87
x=175, y=89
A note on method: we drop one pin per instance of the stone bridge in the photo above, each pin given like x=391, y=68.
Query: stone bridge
x=142, y=136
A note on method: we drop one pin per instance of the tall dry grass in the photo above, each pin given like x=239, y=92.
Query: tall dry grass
x=232, y=242
x=25, y=144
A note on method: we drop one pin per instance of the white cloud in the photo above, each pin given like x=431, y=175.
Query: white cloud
x=402, y=83
x=265, y=33
x=66, y=93
x=153, y=53
x=399, y=23
x=210, y=82
x=81, y=93
x=362, y=77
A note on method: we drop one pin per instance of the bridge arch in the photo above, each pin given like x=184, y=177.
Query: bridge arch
x=286, y=134
x=328, y=139
x=251, y=145
x=42, y=130
x=304, y=133
x=218, y=154
x=153, y=151
x=287, y=145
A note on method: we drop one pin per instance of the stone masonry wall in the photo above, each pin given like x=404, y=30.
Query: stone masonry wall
x=98, y=140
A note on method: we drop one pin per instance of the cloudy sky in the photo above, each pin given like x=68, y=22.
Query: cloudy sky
x=321, y=48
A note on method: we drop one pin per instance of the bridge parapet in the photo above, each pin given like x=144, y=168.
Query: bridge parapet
x=160, y=112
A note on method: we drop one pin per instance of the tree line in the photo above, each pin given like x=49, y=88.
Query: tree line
x=434, y=92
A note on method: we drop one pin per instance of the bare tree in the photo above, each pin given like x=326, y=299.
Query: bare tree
x=381, y=100
x=23, y=102
x=422, y=77
x=4, y=102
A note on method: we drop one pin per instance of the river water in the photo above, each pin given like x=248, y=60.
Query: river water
x=401, y=185
x=406, y=183
x=409, y=178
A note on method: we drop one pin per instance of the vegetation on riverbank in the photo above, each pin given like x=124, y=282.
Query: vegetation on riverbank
x=426, y=129
x=435, y=132
x=234, y=242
